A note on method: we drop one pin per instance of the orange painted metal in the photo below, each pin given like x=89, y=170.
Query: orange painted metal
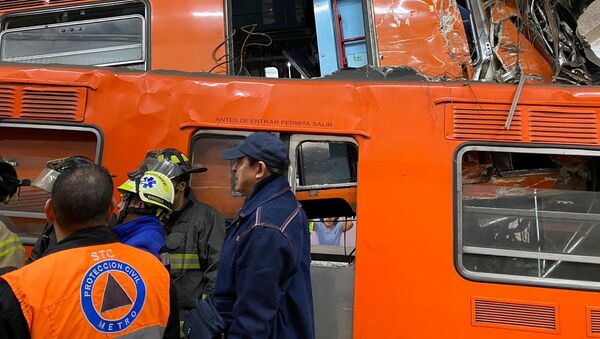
x=427, y=35
x=186, y=33
x=531, y=316
x=407, y=284
x=593, y=316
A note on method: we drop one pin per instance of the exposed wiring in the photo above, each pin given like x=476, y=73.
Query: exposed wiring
x=218, y=65
x=245, y=44
x=226, y=56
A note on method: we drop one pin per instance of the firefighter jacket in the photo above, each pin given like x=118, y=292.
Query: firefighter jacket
x=263, y=287
x=43, y=243
x=195, y=237
x=12, y=253
x=88, y=286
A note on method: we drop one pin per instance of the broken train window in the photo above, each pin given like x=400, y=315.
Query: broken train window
x=529, y=215
x=290, y=39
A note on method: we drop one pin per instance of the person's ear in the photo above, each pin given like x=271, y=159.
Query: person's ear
x=262, y=170
x=180, y=187
x=137, y=204
x=49, y=210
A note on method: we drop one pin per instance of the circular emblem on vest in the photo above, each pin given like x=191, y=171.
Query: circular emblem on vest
x=112, y=295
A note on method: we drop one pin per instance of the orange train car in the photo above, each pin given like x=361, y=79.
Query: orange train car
x=474, y=200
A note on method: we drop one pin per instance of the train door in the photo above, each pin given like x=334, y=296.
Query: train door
x=323, y=174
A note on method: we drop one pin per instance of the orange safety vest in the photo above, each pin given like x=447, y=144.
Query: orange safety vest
x=100, y=291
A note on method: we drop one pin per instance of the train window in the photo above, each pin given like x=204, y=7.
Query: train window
x=325, y=182
x=295, y=38
x=215, y=187
x=114, y=36
x=326, y=163
x=529, y=216
x=28, y=148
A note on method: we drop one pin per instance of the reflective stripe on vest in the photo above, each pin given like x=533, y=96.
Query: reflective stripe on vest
x=9, y=246
x=184, y=261
x=94, y=292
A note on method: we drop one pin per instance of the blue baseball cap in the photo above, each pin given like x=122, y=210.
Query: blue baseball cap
x=260, y=146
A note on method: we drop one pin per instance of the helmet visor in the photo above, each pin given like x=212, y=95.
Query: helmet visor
x=162, y=166
x=46, y=179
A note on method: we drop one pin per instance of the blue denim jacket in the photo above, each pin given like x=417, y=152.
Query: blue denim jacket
x=263, y=286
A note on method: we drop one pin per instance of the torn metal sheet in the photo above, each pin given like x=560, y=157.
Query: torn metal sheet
x=480, y=40
x=491, y=177
x=376, y=73
x=553, y=28
x=514, y=52
x=511, y=184
x=427, y=35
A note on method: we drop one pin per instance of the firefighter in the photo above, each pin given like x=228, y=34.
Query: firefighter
x=195, y=231
x=12, y=253
x=88, y=285
x=44, y=181
x=147, y=198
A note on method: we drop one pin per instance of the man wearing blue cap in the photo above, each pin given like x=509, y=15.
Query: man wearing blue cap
x=263, y=287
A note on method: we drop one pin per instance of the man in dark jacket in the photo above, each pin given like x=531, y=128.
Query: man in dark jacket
x=263, y=287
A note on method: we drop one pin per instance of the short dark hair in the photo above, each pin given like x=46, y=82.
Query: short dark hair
x=81, y=194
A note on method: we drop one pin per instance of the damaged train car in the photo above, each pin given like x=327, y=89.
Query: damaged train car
x=457, y=140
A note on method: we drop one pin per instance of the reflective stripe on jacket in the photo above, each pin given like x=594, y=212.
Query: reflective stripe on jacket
x=194, y=240
x=100, y=291
x=12, y=252
x=185, y=261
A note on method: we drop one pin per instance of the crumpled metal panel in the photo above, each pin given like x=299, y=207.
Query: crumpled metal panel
x=536, y=40
x=427, y=35
x=495, y=187
x=553, y=27
x=514, y=51
x=153, y=110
